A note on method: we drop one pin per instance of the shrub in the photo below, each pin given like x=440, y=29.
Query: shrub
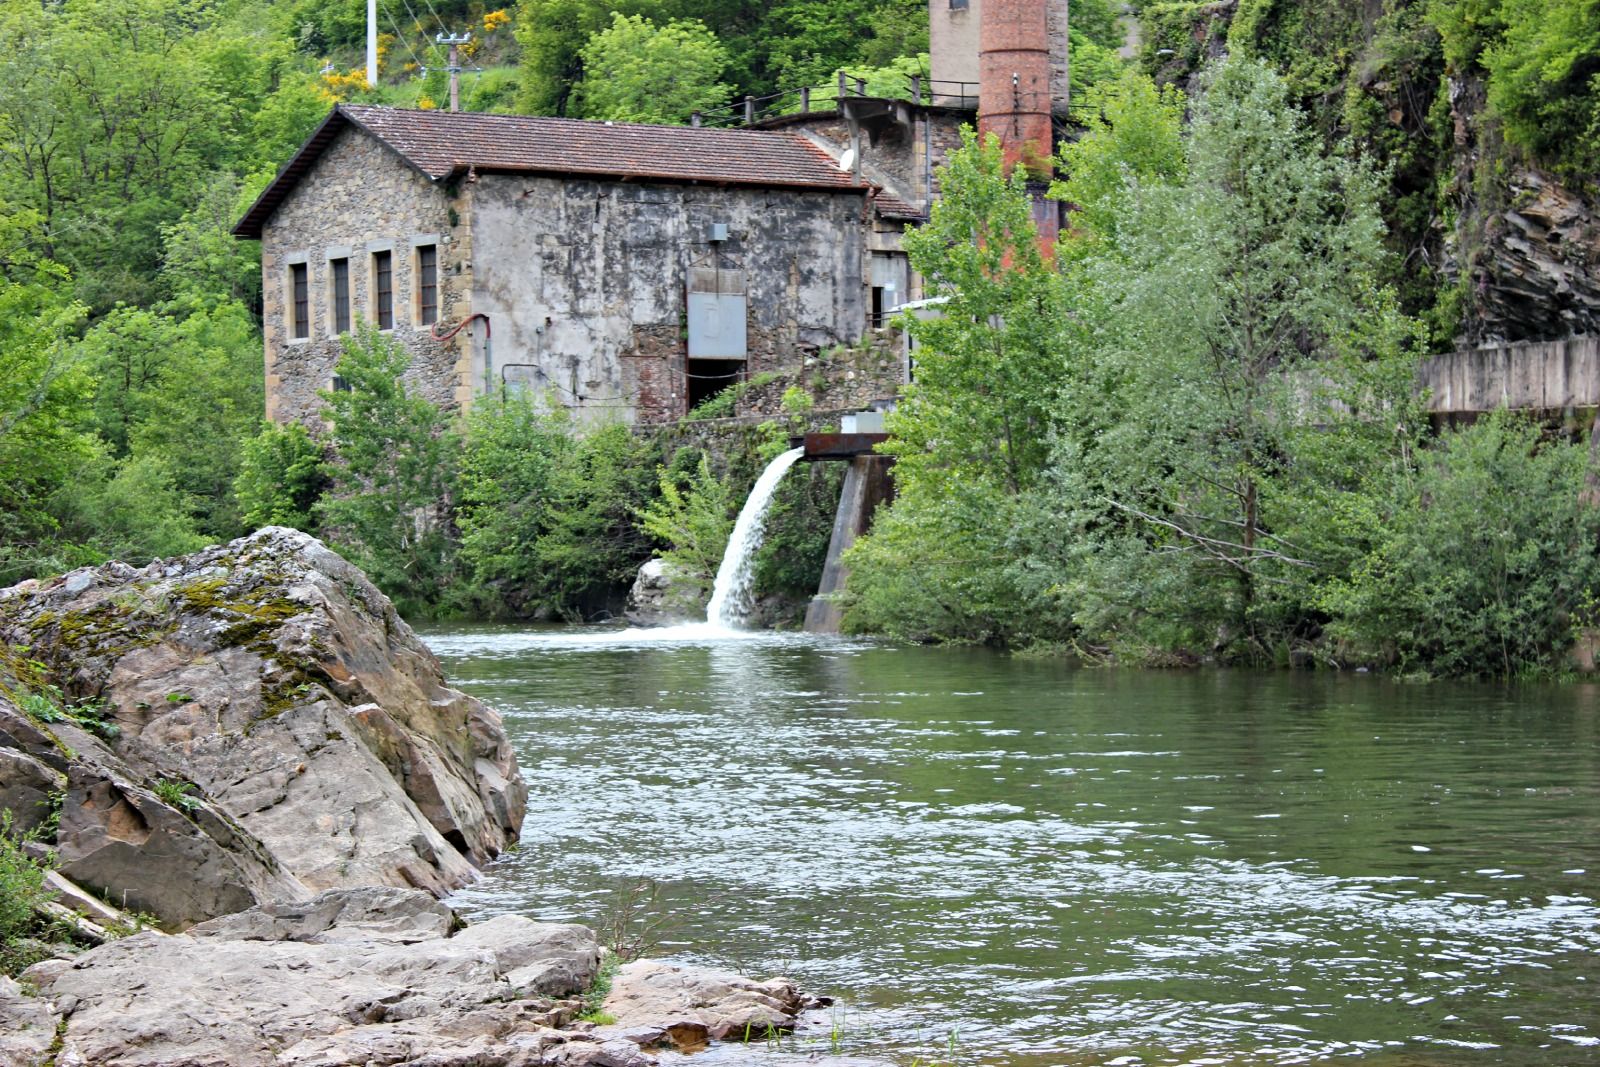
x=1488, y=554
x=692, y=520
x=281, y=478
x=387, y=509
x=547, y=515
x=22, y=892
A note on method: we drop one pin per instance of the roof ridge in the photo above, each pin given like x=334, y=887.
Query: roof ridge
x=599, y=123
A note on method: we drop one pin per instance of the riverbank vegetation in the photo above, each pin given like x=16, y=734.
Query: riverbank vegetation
x=1194, y=436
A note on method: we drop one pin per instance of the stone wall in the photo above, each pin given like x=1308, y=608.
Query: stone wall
x=585, y=281
x=359, y=198
x=837, y=380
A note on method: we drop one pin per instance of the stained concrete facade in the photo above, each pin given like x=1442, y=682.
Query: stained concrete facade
x=585, y=281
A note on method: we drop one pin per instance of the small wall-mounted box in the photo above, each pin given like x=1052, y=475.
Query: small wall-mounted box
x=718, y=232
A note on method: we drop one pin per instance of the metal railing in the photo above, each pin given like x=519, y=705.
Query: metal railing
x=808, y=99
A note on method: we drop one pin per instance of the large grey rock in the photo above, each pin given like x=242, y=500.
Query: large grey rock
x=663, y=596
x=364, y=977
x=555, y=959
x=27, y=1027
x=324, y=747
x=648, y=994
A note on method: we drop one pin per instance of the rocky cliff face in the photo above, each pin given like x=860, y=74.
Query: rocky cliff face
x=1491, y=246
x=1525, y=247
x=252, y=723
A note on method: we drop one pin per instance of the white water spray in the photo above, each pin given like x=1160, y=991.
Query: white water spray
x=730, y=597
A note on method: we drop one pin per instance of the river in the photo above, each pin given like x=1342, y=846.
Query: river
x=1003, y=860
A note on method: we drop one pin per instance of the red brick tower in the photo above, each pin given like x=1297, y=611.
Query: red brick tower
x=1014, y=99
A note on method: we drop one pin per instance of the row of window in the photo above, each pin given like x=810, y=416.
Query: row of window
x=426, y=266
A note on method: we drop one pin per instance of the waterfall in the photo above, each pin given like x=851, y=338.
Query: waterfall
x=730, y=597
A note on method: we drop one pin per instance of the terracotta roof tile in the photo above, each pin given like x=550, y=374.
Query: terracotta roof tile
x=892, y=207
x=441, y=143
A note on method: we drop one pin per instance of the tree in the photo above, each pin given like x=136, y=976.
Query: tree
x=972, y=435
x=553, y=34
x=692, y=520
x=1247, y=368
x=636, y=71
x=282, y=476
x=42, y=391
x=1485, y=563
x=548, y=514
x=396, y=457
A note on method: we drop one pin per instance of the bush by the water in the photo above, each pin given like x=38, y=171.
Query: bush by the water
x=1487, y=560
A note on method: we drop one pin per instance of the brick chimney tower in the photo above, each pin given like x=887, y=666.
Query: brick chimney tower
x=1014, y=97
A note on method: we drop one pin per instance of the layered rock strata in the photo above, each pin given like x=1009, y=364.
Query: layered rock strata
x=252, y=723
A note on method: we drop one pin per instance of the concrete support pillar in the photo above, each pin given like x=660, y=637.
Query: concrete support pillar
x=867, y=484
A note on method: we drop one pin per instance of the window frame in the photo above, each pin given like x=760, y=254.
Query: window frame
x=383, y=288
x=426, y=257
x=340, y=320
x=299, y=301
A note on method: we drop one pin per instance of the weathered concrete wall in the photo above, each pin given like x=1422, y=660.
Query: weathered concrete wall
x=953, y=44
x=1548, y=376
x=360, y=198
x=585, y=281
x=953, y=48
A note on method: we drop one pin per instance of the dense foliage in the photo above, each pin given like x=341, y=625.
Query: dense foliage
x=1188, y=435
x=1193, y=436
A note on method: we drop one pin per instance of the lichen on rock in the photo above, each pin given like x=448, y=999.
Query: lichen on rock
x=267, y=727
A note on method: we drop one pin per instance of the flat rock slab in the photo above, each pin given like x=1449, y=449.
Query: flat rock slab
x=681, y=1001
x=351, y=977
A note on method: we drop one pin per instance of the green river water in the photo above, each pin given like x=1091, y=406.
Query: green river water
x=994, y=860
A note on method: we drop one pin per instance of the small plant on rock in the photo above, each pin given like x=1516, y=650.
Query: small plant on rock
x=23, y=894
x=177, y=794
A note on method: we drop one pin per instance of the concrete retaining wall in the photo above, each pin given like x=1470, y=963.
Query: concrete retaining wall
x=1534, y=376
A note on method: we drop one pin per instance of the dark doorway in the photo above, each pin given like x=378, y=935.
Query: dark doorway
x=709, y=377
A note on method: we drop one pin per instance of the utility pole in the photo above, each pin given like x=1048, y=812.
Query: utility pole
x=372, y=43
x=455, y=41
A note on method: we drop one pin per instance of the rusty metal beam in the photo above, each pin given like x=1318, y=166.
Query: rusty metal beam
x=837, y=446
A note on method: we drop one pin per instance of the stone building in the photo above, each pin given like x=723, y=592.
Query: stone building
x=621, y=269
x=629, y=270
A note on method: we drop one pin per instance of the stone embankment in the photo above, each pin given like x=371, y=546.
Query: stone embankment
x=249, y=747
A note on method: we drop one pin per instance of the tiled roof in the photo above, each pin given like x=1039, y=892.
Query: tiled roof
x=442, y=143
x=892, y=207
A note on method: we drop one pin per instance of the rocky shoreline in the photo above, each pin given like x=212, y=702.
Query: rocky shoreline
x=248, y=751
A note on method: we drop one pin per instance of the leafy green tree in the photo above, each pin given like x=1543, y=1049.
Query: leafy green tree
x=1544, y=81
x=636, y=71
x=133, y=510
x=1246, y=369
x=185, y=389
x=691, y=519
x=396, y=458
x=282, y=476
x=1485, y=562
x=809, y=42
x=553, y=34
x=972, y=435
x=547, y=514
